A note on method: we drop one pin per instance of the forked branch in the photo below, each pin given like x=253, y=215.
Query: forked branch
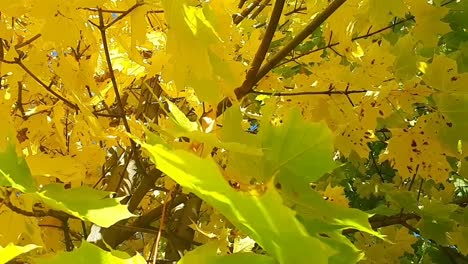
x=247, y=86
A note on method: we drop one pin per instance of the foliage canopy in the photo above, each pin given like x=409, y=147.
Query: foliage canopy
x=256, y=131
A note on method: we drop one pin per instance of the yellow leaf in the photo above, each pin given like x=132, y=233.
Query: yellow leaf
x=336, y=195
x=64, y=168
x=428, y=18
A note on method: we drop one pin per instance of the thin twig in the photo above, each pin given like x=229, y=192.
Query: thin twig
x=262, y=50
x=66, y=234
x=269, y=65
x=419, y=190
x=331, y=45
x=47, y=87
x=327, y=92
x=238, y=18
x=117, y=19
x=309, y=29
x=260, y=8
x=27, y=42
x=122, y=174
x=378, y=221
x=161, y=227
x=296, y=10
x=102, y=28
x=19, y=100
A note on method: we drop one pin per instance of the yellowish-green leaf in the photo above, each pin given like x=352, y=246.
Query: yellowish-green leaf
x=89, y=253
x=11, y=251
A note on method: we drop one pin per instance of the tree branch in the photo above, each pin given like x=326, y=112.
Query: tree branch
x=261, y=51
x=120, y=17
x=113, y=236
x=260, y=8
x=269, y=65
x=238, y=18
x=27, y=42
x=47, y=87
x=309, y=29
x=331, y=45
x=102, y=28
x=328, y=92
x=378, y=221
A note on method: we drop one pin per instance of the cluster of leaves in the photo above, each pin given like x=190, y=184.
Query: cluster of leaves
x=286, y=131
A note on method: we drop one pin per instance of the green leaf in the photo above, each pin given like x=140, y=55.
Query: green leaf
x=207, y=254
x=297, y=149
x=454, y=106
x=406, y=61
x=436, y=220
x=89, y=253
x=180, y=120
x=190, y=35
x=85, y=203
x=14, y=171
x=259, y=213
x=183, y=127
x=10, y=251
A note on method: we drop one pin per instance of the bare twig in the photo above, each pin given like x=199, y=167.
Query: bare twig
x=161, y=228
x=19, y=100
x=327, y=92
x=330, y=45
x=27, y=42
x=120, y=17
x=47, y=87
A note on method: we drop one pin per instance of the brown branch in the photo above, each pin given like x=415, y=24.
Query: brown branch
x=309, y=29
x=117, y=19
x=184, y=233
x=296, y=10
x=102, y=28
x=260, y=8
x=19, y=100
x=113, y=236
x=148, y=180
x=328, y=92
x=18, y=62
x=27, y=42
x=331, y=45
x=378, y=221
x=161, y=227
x=241, y=3
x=238, y=18
x=261, y=51
x=34, y=213
x=269, y=65
x=47, y=87
x=66, y=234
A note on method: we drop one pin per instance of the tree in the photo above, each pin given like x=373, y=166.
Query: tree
x=217, y=132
